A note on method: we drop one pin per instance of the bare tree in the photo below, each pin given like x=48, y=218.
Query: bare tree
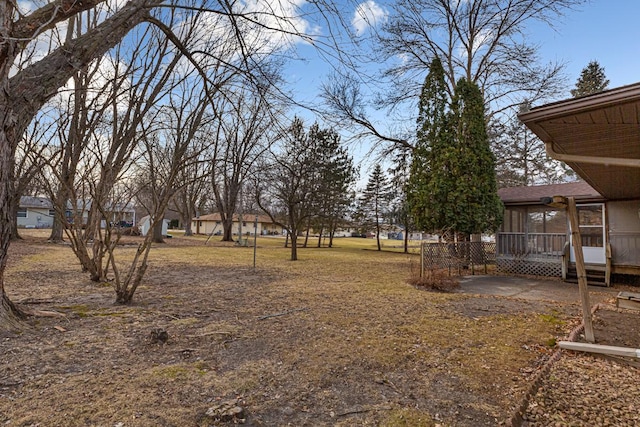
x=521, y=158
x=167, y=152
x=191, y=186
x=109, y=102
x=483, y=41
x=29, y=162
x=285, y=186
x=25, y=92
x=244, y=131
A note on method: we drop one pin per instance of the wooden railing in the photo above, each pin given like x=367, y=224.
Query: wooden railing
x=530, y=245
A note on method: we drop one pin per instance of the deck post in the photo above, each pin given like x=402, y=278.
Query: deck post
x=576, y=238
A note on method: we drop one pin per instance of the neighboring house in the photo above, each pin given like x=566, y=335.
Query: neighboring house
x=598, y=136
x=121, y=214
x=212, y=224
x=144, y=224
x=35, y=212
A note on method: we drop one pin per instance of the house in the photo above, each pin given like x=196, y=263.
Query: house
x=534, y=238
x=212, y=224
x=116, y=213
x=598, y=136
x=35, y=212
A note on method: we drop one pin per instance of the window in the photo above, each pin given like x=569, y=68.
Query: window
x=22, y=212
x=52, y=212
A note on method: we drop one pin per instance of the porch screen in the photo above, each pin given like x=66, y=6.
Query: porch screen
x=534, y=219
x=533, y=231
x=624, y=231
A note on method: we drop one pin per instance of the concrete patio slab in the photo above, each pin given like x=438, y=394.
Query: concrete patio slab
x=532, y=289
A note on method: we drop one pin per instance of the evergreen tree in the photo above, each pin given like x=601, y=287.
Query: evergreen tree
x=592, y=80
x=467, y=182
x=432, y=135
x=452, y=186
x=400, y=212
x=288, y=182
x=335, y=176
x=374, y=201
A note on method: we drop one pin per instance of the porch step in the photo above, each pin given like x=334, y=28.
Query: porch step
x=595, y=275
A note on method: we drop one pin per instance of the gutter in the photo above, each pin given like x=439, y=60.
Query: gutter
x=600, y=349
x=606, y=161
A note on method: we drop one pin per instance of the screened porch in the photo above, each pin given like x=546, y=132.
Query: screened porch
x=532, y=240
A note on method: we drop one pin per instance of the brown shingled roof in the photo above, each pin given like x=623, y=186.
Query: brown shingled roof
x=580, y=190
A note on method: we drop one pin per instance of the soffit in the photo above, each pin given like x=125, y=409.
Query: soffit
x=602, y=125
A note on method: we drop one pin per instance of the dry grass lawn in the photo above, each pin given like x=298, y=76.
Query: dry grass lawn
x=337, y=338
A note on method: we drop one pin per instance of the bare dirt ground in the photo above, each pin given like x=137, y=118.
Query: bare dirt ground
x=336, y=339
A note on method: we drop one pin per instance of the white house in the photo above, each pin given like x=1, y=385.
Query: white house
x=212, y=224
x=35, y=212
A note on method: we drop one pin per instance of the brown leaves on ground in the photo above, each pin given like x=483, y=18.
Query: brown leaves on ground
x=335, y=339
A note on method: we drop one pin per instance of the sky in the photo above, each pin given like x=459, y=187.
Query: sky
x=603, y=30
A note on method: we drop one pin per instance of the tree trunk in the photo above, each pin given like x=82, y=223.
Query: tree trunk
x=57, y=229
x=15, y=204
x=186, y=221
x=406, y=240
x=294, y=246
x=157, y=232
x=320, y=237
x=9, y=313
x=306, y=236
x=227, y=230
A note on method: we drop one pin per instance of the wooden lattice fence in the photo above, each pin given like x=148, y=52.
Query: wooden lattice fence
x=458, y=257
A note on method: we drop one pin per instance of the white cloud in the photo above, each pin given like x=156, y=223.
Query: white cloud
x=483, y=38
x=368, y=14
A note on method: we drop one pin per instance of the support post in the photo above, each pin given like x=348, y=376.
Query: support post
x=255, y=240
x=421, y=258
x=572, y=212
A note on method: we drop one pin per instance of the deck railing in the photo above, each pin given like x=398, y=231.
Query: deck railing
x=625, y=248
x=531, y=245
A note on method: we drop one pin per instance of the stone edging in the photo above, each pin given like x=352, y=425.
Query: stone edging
x=516, y=418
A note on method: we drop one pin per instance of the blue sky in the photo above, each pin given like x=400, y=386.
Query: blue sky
x=603, y=30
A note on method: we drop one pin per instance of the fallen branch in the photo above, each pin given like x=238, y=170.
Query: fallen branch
x=7, y=385
x=363, y=410
x=35, y=301
x=45, y=313
x=284, y=313
x=206, y=334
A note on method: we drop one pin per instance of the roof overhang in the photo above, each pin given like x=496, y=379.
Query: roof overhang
x=598, y=136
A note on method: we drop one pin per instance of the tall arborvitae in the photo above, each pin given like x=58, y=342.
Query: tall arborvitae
x=432, y=134
x=592, y=80
x=464, y=177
